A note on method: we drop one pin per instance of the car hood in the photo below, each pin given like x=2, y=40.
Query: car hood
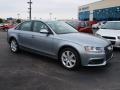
x=84, y=39
x=108, y=32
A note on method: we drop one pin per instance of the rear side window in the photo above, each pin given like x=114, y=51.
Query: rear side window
x=26, y=26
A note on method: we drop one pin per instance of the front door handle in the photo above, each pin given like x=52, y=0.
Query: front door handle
x=18, y=34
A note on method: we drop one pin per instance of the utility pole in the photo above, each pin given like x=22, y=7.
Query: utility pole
x=50, y=14
x=30, y=3
x=18, y=16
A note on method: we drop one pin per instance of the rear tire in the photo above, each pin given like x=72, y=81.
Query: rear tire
x=14, y=47
x=69, y=58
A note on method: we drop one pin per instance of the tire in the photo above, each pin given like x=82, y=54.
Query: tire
x=69, y=58
x=14, y=47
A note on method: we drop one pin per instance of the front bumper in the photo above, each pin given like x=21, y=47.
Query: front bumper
x=96, y=59
x=103, y=62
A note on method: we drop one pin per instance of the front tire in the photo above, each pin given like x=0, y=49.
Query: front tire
x=14, y=47
x=69, y=58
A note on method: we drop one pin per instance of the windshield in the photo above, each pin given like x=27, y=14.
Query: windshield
x=78, y=24
x=60, y=27
x=111, y=25
x=73, y=24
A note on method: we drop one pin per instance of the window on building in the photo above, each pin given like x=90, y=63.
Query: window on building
x=107, y=14
x=84, y=16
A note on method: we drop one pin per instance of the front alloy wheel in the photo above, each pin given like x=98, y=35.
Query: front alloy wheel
x=70, y=58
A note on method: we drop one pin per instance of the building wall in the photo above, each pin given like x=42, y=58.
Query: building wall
x=98, y=5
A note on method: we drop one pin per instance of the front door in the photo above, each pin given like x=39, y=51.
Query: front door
x=43, y=42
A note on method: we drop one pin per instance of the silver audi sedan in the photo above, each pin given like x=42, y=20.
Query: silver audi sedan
x=58, y=40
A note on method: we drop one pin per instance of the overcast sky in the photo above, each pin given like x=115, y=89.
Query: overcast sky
x=60, y=9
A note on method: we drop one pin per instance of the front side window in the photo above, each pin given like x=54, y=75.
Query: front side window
x=26, y=26
x=39, y=26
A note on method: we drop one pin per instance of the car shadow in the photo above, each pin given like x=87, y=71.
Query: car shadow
x=55, y=64
x=116, y=49
x=94, y=69
x=38, y=57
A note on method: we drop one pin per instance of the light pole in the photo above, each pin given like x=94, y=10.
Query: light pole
x=50, y=14
x=55, y=18
x=18, y=15
x=30, y=3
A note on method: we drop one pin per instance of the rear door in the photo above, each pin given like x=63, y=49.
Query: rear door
x=25, y=34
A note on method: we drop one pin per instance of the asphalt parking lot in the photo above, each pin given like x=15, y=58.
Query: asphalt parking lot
x=26, y=71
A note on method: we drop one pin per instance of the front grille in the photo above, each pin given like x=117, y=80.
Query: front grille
x=108, y=53
x=108, y=37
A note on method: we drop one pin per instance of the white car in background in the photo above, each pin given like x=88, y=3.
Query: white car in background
x=98, y=25
x=111, y=31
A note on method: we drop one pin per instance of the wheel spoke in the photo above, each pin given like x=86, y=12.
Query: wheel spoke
x=71, y=56
x=67, y=63
x=68, y=53
x=70, y=63
x=73, y=61
x=64, y=60
x=64, y=55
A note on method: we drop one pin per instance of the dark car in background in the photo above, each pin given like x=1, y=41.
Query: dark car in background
x=81, y=26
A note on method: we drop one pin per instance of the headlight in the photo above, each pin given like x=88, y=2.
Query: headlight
x=118, y=37
x=92, y=49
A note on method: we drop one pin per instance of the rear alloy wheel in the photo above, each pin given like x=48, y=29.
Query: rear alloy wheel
x=14, y=46
x=69, y=58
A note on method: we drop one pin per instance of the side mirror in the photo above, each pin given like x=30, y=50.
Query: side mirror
x=44, y=31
